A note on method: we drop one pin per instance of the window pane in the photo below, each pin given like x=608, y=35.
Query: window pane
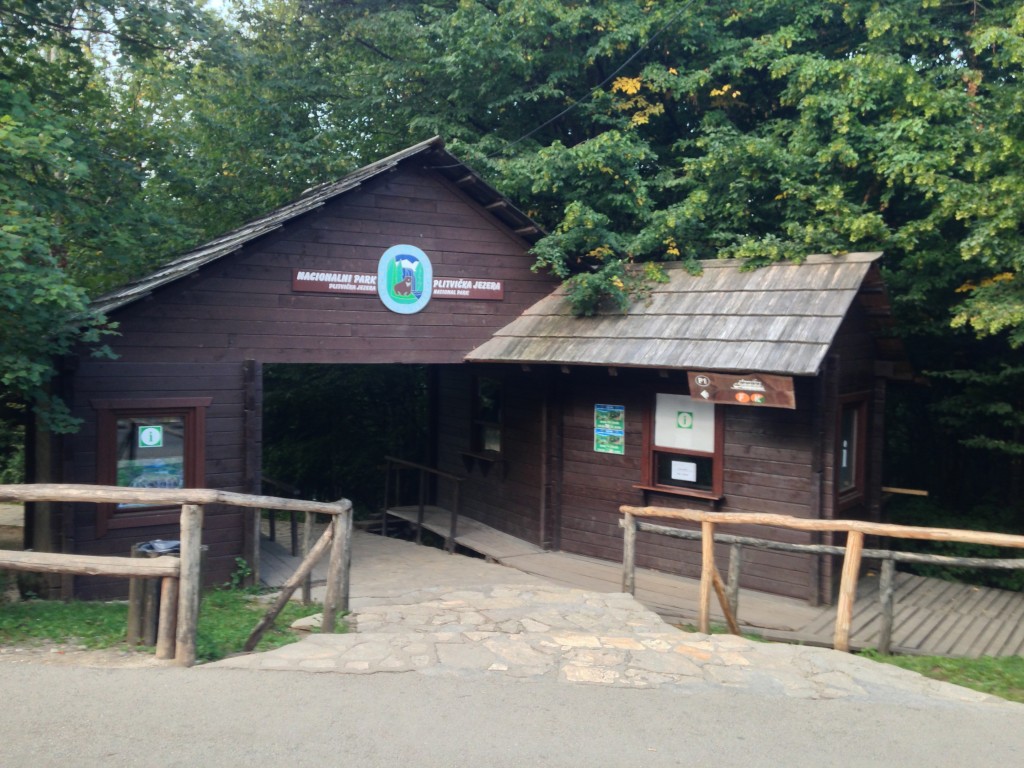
x=487, y=415
x=848, y=449
x=151, y=451
x=682, y=471
x=684, y=423
x=488, y=438
x=488, y=400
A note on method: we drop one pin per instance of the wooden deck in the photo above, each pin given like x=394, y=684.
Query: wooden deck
x=932, y=617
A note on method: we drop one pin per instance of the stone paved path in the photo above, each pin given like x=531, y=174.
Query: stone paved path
x=419, y=610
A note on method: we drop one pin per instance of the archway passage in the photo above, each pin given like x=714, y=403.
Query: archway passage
x=328, y=428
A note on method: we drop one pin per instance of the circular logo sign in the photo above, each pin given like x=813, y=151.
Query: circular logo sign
x=151, y=437
x=405, y=279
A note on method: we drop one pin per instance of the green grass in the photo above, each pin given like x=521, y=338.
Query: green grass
x=226, y=618
x=719, y=629
x=1003, y=677
x=94, y=625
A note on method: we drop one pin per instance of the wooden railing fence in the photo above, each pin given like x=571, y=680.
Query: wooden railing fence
x=392, y=490
x=853, y=553
x=293, y=519
x=180, y=576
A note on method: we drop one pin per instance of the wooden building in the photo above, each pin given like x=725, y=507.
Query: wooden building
x=740, y=390
x=736, y=390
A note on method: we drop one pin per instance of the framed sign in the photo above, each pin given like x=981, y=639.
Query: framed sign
x=749, y=389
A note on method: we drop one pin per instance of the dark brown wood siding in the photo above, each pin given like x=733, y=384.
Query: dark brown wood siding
x=506, y=493
x=224, y=448
x=192, y=337
x=853, y=374
x=243, y=307
x=767, y=456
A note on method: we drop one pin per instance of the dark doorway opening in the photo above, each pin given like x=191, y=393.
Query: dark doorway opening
x=328, y=428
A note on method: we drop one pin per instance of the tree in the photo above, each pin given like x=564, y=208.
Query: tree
x=639, y=132
x=73, y=213
x=765, y=132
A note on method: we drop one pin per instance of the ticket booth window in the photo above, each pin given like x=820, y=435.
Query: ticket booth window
x=686, y=438
x=156, y=443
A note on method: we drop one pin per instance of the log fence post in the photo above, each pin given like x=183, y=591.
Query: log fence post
x=136, y=602
x=848, y=590
x=168, y=622
x=346, y=564
x=885, y=596
x=190, y=587
x=732, y=589
x=629, y=554
x=307, y=544
x=707, y=575
x=336, y=595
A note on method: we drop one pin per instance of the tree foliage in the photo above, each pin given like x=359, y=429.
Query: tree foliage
x=73, y=210
x=639, y=132
x=635, y=131
x=770, y=131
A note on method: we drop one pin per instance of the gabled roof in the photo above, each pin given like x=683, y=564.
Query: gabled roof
x=431, y=152
x=775, y=319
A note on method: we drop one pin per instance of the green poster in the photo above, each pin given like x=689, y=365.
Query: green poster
x=610, y=441
x=610, y=417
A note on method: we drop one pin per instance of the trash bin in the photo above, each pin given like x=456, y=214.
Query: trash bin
x=144, y=594
x=160, y=547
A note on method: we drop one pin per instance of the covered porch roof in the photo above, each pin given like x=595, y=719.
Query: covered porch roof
x=780, y=319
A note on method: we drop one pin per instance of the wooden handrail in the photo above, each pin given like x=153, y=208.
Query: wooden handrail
x=184, y=582
x=829, y=549
x=804, y=524
x=89, y=565
x=423, y=467
x=101, y=494
x=855, y=530
x=423, y=470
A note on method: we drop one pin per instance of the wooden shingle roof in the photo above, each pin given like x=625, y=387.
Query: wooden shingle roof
x=776, y=319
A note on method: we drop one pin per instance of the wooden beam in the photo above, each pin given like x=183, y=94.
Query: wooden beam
x=723, y=600
x=733, y=586
x=848, y=590
x=707, y=569
x=98, y=494
x=629, y=555
x=336, y=594
x=307, y=545
x=885, y=590
x=803, y=524
x=89, y=565
x=289, y=587
x=904, y=491
x=190, y=588
x=168, y=622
